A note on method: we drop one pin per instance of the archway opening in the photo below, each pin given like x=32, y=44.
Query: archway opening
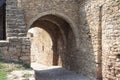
x=42, y=47
x=61, y=40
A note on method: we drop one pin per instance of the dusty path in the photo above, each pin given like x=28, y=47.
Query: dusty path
x=21, y=75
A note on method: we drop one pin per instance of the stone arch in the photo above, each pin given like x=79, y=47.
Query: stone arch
x=65, y=17
x=65, y=40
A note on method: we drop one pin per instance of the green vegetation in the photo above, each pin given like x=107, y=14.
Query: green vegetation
x=7, y=67
x=3, y=75
x=27, y=75
x=3, y=71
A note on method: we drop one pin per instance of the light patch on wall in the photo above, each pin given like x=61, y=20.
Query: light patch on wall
x=41, y=46
x=19, y=3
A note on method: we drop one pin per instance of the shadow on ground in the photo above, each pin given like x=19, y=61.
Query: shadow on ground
x=58, y=74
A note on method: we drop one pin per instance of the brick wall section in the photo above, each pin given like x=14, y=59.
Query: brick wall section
x=111, y=40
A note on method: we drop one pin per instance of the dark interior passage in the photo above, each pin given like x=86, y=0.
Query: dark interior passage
x=2, y=20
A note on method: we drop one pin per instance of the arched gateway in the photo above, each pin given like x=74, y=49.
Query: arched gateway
x=62, y=43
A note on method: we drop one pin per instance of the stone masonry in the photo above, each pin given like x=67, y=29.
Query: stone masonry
x=15, y=48
x=84, y=33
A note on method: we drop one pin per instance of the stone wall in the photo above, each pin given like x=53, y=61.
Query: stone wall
x=15, y=26
x=35, y=7
x=100, y=22
x=95, y=27
x=4, y=49
x=90, y=37
x=111, y=40
x=16, y=47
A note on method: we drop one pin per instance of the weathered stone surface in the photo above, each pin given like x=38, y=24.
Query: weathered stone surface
x=85, y=33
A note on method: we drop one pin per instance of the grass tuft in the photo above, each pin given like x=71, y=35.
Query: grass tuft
x=7, y=67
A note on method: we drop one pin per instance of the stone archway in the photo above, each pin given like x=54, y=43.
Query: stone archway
x=41, y=46
x=65, y=17
x=62, y=36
